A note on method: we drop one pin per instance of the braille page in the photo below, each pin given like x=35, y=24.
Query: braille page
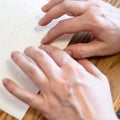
x=18, y=30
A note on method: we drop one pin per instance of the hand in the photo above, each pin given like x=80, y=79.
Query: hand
x=95, y=16
x=69, y=90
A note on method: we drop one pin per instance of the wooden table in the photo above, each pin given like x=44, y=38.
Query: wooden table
x=110, y=66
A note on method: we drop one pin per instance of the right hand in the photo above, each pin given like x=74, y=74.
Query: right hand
x=99, y=18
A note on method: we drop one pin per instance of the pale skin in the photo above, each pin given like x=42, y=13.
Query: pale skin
x=69, y=89
x=99, y=18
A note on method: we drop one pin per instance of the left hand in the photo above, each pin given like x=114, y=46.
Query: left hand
x=69, y=90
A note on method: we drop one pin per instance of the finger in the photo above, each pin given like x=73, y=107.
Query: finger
x=44, y=61
x=85, y=50
x=60, y=57
x=91, y=68
x=28, y=97
x=67, y=26
x=64, y=60
x=73, y=8
x=30, y=69
x=50, y=4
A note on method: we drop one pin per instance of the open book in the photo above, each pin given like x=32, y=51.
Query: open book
x=18, y=30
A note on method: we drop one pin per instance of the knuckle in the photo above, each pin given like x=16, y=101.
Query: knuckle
x=80, y=52
x=92, y=16
x=59, y=28
x=66, y=4
x=62, y=84
x=53, y=52
x=39, y=54
x=28, y=49
x=102, y=49
x=71, y=67
x=32, y=71
x=61, y=24
x=65, y=60
x=29, y=99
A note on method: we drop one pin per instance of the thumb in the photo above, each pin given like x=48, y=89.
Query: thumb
x=85, y=50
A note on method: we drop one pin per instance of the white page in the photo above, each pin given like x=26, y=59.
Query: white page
x=18, y=30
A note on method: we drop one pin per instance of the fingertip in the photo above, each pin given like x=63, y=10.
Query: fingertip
x=68, y=51
x=44, y=40
x=13, y=54
x=75, y=52
x=41, y=46
x=45, y=20
x=5, y=81
x=41, y=22
x=44, y=9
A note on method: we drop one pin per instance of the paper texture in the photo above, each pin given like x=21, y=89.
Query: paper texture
x=18, y=30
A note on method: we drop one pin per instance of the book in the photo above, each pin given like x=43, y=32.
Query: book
x=18, y=30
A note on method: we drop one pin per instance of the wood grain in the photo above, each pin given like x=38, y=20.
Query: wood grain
x=117, y=104
x=110, y=66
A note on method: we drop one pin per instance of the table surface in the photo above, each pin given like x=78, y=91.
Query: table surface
x=109, y=65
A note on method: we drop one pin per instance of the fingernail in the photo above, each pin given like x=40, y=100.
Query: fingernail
x=13, y=54
x=41, y=22
x=44, y=40
x=5, y=81
x=43, y=8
